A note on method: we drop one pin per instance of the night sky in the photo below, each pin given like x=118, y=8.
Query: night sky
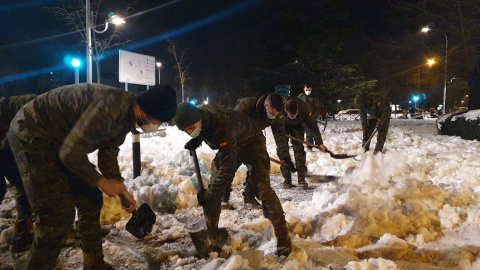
x=224, y=40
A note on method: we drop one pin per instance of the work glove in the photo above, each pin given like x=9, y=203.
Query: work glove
x=322, y=148
x=201, y=197
x=193, y=143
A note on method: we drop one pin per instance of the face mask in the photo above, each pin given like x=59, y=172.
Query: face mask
x=195, y=133
x=269, y=116
x=149, y=128
x=293, y=118
x=308, y=93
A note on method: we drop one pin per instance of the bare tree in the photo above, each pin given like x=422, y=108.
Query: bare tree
x=73, y=14
x=181, y=66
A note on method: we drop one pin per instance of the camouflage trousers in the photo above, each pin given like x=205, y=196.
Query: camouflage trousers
x=298, y=151
x=368, y=127
x=256, y=156
x=250, y=190
x=54, y=192
x=9, y=170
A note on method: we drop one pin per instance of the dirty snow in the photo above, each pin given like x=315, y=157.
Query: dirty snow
x=415, y=207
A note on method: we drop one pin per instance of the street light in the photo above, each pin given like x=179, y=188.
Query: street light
x=416, y=98
x=159, y=65
x=76, y=64
x=425, y=30
x=114, y=19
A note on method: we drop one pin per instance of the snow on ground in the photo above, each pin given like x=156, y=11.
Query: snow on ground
x=415, y=207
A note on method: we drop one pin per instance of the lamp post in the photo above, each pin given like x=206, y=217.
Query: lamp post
x=159, y=65
x=76, y=64
x=425, y=30
x=115, y=19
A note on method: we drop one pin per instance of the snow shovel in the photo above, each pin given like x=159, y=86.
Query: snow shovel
x=142, y=220
x=203, y=241
x=336, y=156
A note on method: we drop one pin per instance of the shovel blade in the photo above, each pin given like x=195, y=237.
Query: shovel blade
x=205, y=243
x=141, y=222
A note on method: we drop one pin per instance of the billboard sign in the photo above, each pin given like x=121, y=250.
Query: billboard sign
x=136, y=68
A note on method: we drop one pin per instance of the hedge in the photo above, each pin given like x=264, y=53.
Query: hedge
x=466, y=128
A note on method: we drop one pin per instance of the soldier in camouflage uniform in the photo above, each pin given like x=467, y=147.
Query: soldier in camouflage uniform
x=374, y=112
x=313, y=102
x=51, y=137
x=262, y=110
x=237, y=138
x=22, y=231
x=297, y=117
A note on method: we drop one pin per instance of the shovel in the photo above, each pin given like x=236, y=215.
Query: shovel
x=142, y=220
x=203, y=240
x=367, y=144
x=283, y=164
x=336, y=156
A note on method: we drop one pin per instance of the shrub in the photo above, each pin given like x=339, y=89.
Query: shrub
x=461, y=124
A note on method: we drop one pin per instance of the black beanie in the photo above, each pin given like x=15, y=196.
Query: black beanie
x=187, y=115
x=159, y=102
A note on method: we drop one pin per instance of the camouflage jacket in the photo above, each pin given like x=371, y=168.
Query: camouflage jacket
x=304, y=117
x=80, y=119
x=313, y=103
x=8, y=108
x=227, y=130
x=255, y=109
x=375, y=107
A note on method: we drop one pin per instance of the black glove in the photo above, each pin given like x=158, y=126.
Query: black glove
x=290, y=167
x=201, y=197
x=193, y=143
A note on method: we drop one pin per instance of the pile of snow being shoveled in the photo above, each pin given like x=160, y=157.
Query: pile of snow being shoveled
x=382, y=195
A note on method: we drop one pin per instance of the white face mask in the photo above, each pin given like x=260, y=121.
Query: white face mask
x=195, y=133
x=308, y=93
x=269, y=116
x=148, y=128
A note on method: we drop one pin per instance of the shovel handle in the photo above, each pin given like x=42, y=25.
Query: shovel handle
x=124, y=201
x=283, y=164
x=197, y=169
x=302, y=141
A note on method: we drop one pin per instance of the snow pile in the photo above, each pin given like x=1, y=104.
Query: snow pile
x=384, y=196
x=372, y=264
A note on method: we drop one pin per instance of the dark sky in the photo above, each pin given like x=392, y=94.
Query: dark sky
x=219, y=36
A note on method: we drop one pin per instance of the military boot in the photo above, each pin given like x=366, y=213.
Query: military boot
x=22, y=236
x=284, y=243
x=94, y=261
x=287, y=183
x=250, y=199
x=301, y=180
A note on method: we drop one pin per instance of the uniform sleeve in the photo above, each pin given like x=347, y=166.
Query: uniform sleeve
x=96, y=126
x=108, y=159
x=278, y=130
x=241, y=107
x=316, y=106
x=311, y=124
